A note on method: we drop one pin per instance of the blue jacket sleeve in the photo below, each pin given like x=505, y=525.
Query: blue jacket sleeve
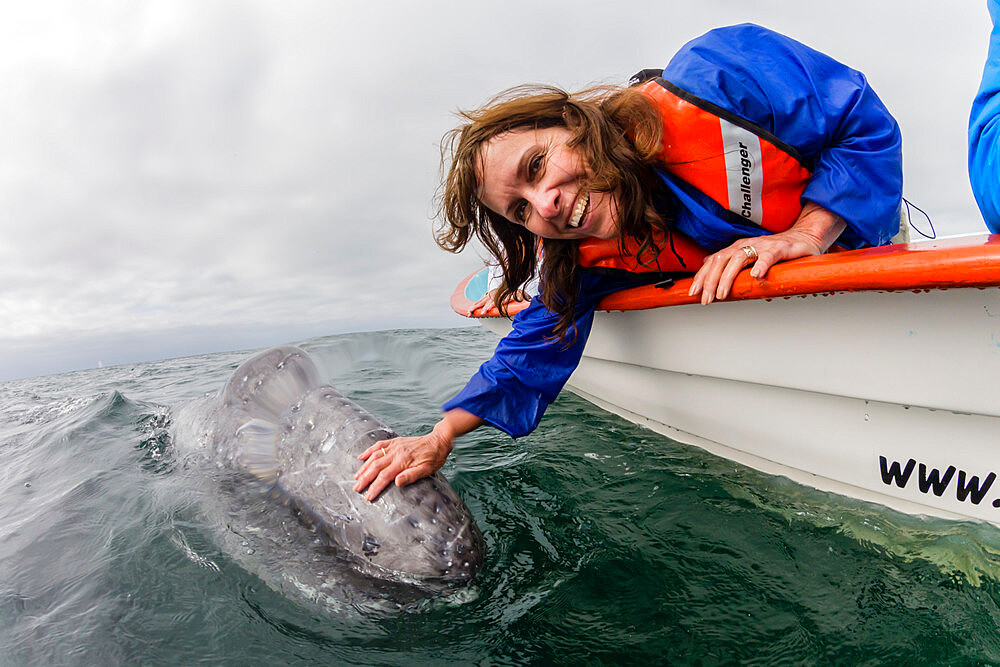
x=822, y=108
x=528, y=369
x=984, y=132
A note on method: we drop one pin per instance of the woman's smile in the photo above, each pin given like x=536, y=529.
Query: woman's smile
x=581, y=207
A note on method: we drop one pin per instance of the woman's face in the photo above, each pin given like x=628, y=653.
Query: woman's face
x=532, y=178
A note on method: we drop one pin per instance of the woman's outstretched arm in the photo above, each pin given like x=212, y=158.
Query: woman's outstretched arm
x=510, y=391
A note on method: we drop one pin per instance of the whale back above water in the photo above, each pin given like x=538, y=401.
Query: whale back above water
x=275, y=422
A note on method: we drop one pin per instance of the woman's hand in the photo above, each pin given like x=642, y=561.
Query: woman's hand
x=405, y=460
x=812, y=234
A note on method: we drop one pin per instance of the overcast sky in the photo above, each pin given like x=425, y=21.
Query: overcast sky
x=189, y=176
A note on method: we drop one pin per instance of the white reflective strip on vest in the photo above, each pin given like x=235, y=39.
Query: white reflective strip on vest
x=744, y=174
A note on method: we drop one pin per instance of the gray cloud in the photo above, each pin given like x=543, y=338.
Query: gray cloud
x=178, y=177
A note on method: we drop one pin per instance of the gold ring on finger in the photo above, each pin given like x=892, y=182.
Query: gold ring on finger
x=751, y=252
x=383, y=451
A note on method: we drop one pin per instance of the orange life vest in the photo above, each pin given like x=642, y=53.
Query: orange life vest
x=741, y=166
x=677, y=254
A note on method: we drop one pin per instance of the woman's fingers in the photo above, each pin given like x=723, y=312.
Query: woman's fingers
x=376, y=475
x=737, y=261
x=381, y=481
x=765, y=260
x=413, y=474
x=376, y=462
x=403, y=460
x=377, y=447
x=706, y=279
x=716, y=277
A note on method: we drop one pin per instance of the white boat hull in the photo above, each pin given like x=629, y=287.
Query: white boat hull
x=829, y=390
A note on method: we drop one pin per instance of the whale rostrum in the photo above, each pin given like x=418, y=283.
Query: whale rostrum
x=277, y=425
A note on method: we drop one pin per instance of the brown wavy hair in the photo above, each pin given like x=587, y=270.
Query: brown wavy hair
x=617, y=131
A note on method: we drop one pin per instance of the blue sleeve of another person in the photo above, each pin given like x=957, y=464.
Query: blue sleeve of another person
x=984, y=131
x=824, y=109
x=528, y=370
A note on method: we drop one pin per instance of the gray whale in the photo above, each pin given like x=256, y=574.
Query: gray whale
x=282, y=432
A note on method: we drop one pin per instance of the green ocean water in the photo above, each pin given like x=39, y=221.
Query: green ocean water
x=606, y=543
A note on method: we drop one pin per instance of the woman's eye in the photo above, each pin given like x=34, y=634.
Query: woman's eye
x=520, y=210
x=535, y=165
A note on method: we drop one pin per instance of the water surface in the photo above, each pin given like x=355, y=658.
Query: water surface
x=605, y=542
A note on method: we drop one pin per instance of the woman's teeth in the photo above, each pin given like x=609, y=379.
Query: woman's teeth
x=578, y=211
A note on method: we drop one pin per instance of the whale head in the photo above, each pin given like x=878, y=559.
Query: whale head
x=301, y=440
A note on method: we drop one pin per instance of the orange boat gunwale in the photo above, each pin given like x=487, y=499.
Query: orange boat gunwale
x=964, y=261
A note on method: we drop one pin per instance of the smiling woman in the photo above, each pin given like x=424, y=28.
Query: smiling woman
x=537, y=165
x=748, y=149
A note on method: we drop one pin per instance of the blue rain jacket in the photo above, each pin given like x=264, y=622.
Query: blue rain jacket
x=824, y=109
x=984, y=132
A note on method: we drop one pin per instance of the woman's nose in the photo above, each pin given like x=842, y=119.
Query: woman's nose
x=545, y=201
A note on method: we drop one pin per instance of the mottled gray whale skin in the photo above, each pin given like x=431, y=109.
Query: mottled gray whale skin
x=275, y=423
